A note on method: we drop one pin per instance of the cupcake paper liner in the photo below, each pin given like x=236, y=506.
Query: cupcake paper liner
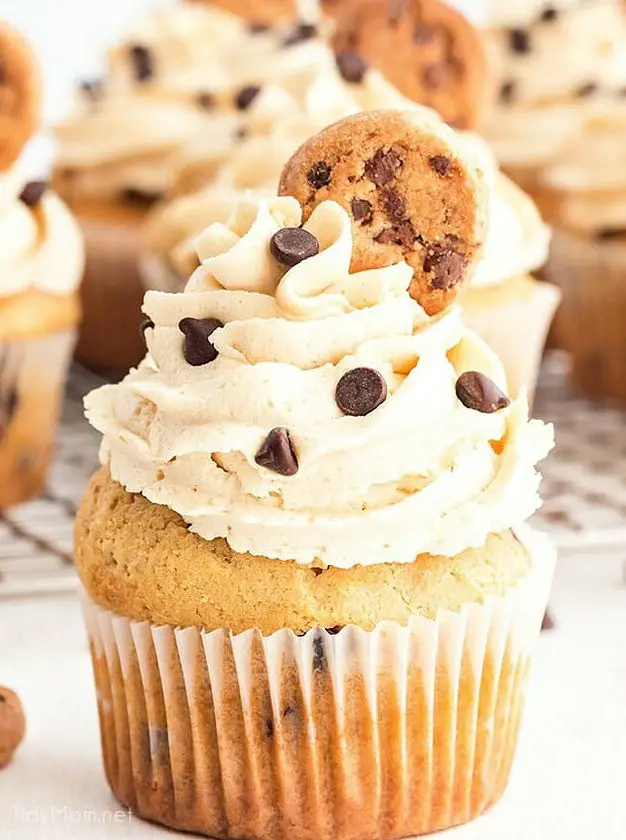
x=111, y=293
x=591, y=323
x=32, y=379
x=514, y=321
x=348, y=736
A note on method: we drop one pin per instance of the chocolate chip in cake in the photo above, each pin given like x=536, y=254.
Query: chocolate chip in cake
x=33, y=192
x=507, y=92
x=301, y=32
x=434, y=75
x=206, y=100
x=478, y=392
x=587, y=90
x=351, y=66
x=143, y=63
x=440, y=164
x=319, y=175
x=360, y=391
x=383, y=167
x=258, y=28
x=446, y=265
x=289, y=246
x=197, y=348
x=142, y=198
x=92, y=89
x=519, y=41
x=549, y=14
x=246, y=96
x=424, y=34
x=387, y=237
x=276, y=453
x=393, y=205
x=361, y=210
x=320, y=663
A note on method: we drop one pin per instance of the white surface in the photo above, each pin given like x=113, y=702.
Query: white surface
x=568, y=783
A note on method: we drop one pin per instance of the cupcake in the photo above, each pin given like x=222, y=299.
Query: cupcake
x=119, y=154
x=41, y=262
x=556, y=64
x=310, y=594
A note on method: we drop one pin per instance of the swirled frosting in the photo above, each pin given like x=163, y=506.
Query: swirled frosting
x=559, y=65
x=41, y=246
x=420, y=473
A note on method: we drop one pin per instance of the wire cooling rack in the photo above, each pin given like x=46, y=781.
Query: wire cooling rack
x=584, y=486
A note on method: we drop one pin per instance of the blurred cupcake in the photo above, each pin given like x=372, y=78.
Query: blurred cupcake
x=170, y=81
x=556, y=63
x=588, y=258
x=310, y=597
x=41, y=262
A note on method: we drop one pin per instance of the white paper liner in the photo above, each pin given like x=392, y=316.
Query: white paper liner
x=383, y=734
x=32, y=379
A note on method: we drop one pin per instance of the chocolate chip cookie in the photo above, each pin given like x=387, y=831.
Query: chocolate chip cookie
x=20, y=94
x=426, y=49
x=409, y=195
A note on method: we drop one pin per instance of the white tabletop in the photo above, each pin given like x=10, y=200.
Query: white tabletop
x=568, y=782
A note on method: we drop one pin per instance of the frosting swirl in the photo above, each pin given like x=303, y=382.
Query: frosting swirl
x=41, y=246
x=420, y=473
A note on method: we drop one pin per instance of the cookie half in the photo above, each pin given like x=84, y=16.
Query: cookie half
x=20, y=94
x=410, y=194
x=428, y=50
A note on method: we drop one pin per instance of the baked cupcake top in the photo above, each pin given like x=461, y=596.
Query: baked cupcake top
x=558, y=64
x=306, y=410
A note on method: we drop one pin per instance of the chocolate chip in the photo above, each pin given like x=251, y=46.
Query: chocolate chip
x=478, y=392
x=387, y=237
x=406, y=233
x=507, y=92
x=424, y=34
x=393, y=205
x=301, y=32
x=549, y=14
x=440, y=164
x=361, y=210
x=548, y=621
x=383, y=167
x=519, y=41
x=289, y=246
x=587, y=90
x=246, y=96
x=92, y=89
x=143, y=65
x=33, y=192
x=446, y=264
x=608, y=234
x=351, y=66
x=142, y=198
x=334, y=630
x=146, y=324
x=269, y=728
x=320, y=663
x=197, y=349
x=434, y=75
x=360, y=391
x=206, y=100
x=257, y=28
x=319, y=175
x=276, y=453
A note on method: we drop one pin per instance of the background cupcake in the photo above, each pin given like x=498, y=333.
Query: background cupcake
x=323, y=488
x=41, y=262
